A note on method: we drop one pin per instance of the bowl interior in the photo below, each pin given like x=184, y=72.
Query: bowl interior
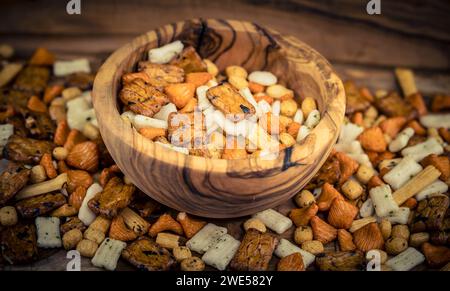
x=223, y=188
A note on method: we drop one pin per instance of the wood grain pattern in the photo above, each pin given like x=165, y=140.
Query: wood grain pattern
x=223, y=188
x=408, y=33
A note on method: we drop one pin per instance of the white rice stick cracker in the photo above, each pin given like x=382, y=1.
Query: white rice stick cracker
x=421, y=150
x=406, y=260
x=401, y=140
x=48, y=235
x=166, y=53
x=63, y=68
x=436, y=120
x=437, y=187
x=220, y=255
x=303, y=132
x=79, y=112
x=108, y=254
x=286, y=248
x=85, y=214
x=274, y=220
x=140, y=121
x=367, y=208
x=400, y=216
x=402, y=173
x=6, y=130
x=163, y=114
x=383, y=202
x=313, y=119
x=349, y=132
x=207, y=237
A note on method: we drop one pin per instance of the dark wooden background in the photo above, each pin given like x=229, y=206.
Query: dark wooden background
x=362, y=47
x=409, y=33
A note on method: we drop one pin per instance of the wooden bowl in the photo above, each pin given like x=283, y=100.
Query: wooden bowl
x=219, y=188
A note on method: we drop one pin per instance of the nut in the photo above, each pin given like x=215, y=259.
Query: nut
x=303, y=234
x=60, y=153
x=279, y=92
x=71, y=93
x=71, y=238
x=236, y=71
x=84, y=156
x=8, y=216
x=192, y=264
x=90, y=131
x=254, y=223
x=304, y=199
x=238, y=82
x=38, y=174
x=87, y=248
x=417, y=239
x=289, y=107
x=94, y=235
x=308, y=105
x=315, y=247
x=385, y=228
x=396, y=245
x=181, y=253
x=401, y=231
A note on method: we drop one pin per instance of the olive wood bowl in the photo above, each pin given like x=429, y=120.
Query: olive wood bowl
x=219, y=188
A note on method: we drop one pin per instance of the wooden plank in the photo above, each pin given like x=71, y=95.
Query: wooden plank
x=341, y=37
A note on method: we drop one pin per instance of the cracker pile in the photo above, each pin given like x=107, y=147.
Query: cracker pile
x=181, y=101
x=380, y=201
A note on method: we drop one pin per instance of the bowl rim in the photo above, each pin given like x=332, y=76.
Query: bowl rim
x=104, y=88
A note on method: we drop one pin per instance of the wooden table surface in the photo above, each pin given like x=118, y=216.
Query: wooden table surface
x=365, y=48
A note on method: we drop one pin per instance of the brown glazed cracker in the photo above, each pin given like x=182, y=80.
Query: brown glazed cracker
x=12, y=179
x=26, y=150
x=39, y=205
x=146, y=255
x=32, y=79
x=158, y=75
x=228, y=100
x=255, y=251
x=18, y=244
x=190, y=61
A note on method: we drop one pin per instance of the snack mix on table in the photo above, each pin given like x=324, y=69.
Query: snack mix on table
x=382, y=193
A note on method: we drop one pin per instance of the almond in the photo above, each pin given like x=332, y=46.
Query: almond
x=301, y=216
x=76, y=178
x=84, y=156
x=328, y=194
x=322, y=231
x=368, y=237
x=341, y=214
x=180, y=94
x=437, y=256
x=345, y=239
